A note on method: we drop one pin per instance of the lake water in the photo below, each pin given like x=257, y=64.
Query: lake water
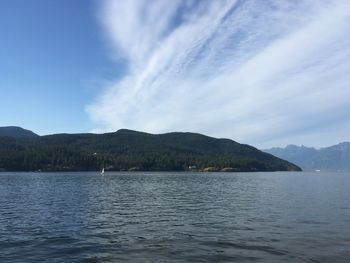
x=174, y=217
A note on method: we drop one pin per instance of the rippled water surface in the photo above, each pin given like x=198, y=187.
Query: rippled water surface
x=174, y=217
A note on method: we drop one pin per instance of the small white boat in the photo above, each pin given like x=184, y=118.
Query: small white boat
x=103, y=171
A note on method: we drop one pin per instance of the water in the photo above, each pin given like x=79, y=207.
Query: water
x=174, y=217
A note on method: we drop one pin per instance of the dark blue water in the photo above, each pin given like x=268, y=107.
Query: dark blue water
x=174, y=217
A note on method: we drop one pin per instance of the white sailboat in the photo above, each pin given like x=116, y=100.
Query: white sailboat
x=103, y=171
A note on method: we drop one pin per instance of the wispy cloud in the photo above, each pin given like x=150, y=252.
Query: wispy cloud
x=260, y=72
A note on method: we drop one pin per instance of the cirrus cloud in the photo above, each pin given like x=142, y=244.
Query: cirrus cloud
x=266, y=73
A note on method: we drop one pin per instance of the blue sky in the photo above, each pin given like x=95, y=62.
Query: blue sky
x=52, y=56
x=267, y=73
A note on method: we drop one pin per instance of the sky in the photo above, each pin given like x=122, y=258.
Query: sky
x=266, y=73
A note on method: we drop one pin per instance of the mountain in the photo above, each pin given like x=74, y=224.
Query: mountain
x=132, y=150
x=16, y=132
x=333, y=158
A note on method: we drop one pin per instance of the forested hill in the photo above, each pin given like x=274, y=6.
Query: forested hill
x=131, y=150
x=17, y=132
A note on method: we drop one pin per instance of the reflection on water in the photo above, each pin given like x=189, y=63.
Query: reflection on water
x=174, y=217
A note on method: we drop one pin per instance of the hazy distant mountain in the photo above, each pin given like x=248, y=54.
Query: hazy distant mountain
x=16, y=132
x=333, y=158
x=126, y=149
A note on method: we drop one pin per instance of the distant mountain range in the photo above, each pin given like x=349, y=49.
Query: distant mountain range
x=17, y=132
x=23, y=150
x=333, y=158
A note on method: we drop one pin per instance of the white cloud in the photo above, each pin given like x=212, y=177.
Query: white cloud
x=266, y=73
